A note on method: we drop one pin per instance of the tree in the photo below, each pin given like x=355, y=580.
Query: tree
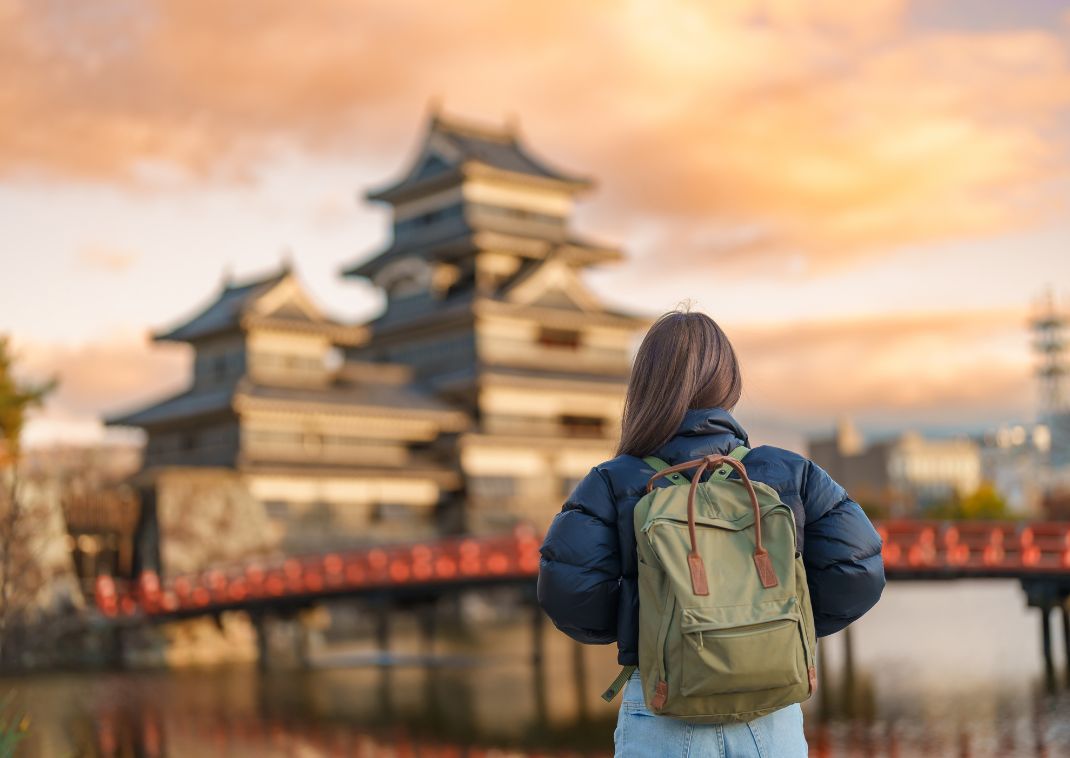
x=984, y=503
x=16, y=400
x=13, y=727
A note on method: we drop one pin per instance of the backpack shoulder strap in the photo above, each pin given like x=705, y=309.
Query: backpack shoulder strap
x=724, y=470
x=657, y=464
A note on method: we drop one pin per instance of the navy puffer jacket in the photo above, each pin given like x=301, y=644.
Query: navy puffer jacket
x=588, y=571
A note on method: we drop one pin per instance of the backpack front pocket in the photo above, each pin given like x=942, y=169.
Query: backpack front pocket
x=761, y=656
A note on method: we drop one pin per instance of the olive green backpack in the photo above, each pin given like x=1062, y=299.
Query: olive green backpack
x=726, y=632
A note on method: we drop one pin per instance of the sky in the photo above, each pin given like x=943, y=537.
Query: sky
x=869, y=197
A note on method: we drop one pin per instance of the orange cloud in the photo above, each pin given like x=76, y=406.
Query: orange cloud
x=922, y=368
x=106, y=259
x=825, y=130
x=919, y=369
x=101, y=377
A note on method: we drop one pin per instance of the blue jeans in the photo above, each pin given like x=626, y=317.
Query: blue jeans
x=641, y=734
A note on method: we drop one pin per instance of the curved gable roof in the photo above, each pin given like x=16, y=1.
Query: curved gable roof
x=453, y=145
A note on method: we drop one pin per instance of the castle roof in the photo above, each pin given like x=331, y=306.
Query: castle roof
x=361, y=397
x=455, y=148
x=242, y=305
x=582, y=251
x=191, y=405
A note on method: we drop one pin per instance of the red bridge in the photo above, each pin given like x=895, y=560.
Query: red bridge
x=912, y=550
x=1036, y=554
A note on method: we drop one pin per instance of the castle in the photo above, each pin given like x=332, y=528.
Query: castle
x=490, y=384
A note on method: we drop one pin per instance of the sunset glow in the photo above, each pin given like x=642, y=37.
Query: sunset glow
x=868, y=196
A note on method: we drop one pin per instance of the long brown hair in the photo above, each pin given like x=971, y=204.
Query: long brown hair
x=685, y=361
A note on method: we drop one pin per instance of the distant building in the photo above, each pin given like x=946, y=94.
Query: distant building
x=1015, y=458
x=100, y=511
x=492, y=382
x=901, y=475
x=1059, y=455
x=1051, y=346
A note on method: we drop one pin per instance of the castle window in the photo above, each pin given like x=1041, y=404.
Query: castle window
x=430, y=218
x=277, y=509
x=568, y=484
x=492, y=487
x=561, y=338
x=219, y=367
x=583, y=426
x=394, y=512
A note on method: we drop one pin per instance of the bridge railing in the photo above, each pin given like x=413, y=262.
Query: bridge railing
x=941, y=548
x=988, y=547
x=449, y=560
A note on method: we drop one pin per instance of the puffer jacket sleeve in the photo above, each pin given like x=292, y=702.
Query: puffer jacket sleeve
x=579, y=571
x=841, y=551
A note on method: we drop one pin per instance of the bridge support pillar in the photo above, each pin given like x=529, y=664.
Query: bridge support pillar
x=1065, y=615
x=282, y=642
x=1045, y=642
x=428, y=618
x=542, y=706
x=579, y=665
x=824, y=690
x=382, y=631
x=1046, y=594
x=114, y=648
x=302, y=643
x=263, y=645
x=848, y=701
x=538, y=626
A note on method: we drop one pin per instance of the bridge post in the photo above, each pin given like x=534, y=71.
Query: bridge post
x=1045, y=594
x=824, y=691
x=302, y=642
x=537, y=635
x=382, y=630
x=848, y=702
x=283, y=639
x=262, y=645
x=427, y=628
x=579, y=666
x=538, y=680
x=1064, y=609
x=1045, y=641
x=115, y=648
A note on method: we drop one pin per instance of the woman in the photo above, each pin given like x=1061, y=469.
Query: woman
x=684, y=384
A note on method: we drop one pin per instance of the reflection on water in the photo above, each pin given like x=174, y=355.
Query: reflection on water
x=938, y=670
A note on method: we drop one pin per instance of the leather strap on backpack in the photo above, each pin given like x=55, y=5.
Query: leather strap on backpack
x=695, y=564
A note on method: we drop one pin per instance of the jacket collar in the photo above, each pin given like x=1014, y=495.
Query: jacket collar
x=701, y=432
x=711, y=421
